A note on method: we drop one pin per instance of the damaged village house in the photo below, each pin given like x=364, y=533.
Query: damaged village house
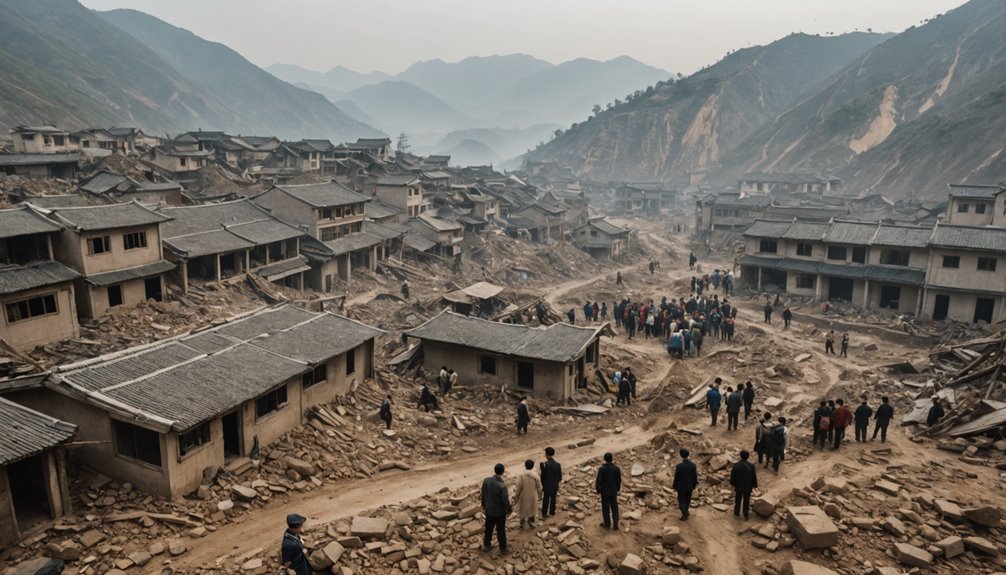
x=158, y=415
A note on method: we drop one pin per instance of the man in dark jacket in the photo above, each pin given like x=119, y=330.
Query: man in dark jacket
x=713, y=401
x=624, y=391
x=496, y=507
x=608, y=485
x=840, y=420
x=523, y=416
x=427, y=399
x=768, y=313
x=551, y=476
x=734, y=403
x=686, y=479
x=631, y=378
x=386, y=411
x=743, y=478
x=862, y=416
x=749, y=397
x=885, y=413
x=787, y=317
x=292, y=554
x=936, y=413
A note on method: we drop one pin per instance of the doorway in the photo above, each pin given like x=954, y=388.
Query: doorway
x=232, y=435
x=984, y=306
x=28, y=493
x=941, y=308
x=840, y=289
x=114, y=295
x=152, y=288
x=525, y=375
x=890, y=297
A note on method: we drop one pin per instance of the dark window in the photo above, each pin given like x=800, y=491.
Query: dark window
x=134, y=240
x=962, y=208
x=768, y=246
x=99, y=245
x=952, y=262
x=980, y=208
x=804, y=250
x=193, y=438
x=326, y=213
x=114, y=295
x=350, y=361
x=837, y=253
x=806, y=281
x=487, y=364
x=33, y=307
x=137, y=443
x=894, y=257
x=316, y=375
x=987, y=264
x=859, y=255
x=270, y=402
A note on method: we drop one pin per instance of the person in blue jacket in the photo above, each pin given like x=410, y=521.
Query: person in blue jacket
x=714, y=399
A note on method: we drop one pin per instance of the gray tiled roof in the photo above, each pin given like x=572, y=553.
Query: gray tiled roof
x=192, y=219
x=180, y=383
x=386, y=231
x=265, y=231
x=103, y=182
x=379, y=210
x=901, y=236
x=811, y=231
x=64, y=201
x=218, y=228
x=895, y=275
x=767, y=229
x=22, y=221
x=15, y=278
x=438, y=224
x=968, y=238
x=558, y=342
x=606, y=227
x=974, y=191
x=206, y=243
x=26, y=432
x=109, y=216
x=851, y=233
x=397, y=180
x=418, y=242
x=137, y=272
x=282, y=269
x=352, y=243
x=37, y=159
x=324, y=195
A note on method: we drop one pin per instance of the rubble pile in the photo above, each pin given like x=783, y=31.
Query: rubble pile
x=24, y=186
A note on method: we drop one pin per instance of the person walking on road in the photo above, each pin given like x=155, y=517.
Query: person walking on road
x=744, y=479
x=686, y=479
x=844, y=350
x=749, y=397
x=496, y=507
x=734, y=403
x=713, y=400
x=608, y=485
x=841, y=419
x=523, y=416
x=787, y=317
x=292, y=554
x=885, y=413
x=529, y=491
x=551, y=477
x=386, y=411
x=862, y=417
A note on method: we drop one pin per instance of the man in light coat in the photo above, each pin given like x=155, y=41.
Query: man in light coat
x=528, y=495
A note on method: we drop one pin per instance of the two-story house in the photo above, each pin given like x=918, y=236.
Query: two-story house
x=117, y=249
x=125, y=141
x=216, y=242
x=402, y=191
x=802, y=183
x=42, y=140
x=447, y=235
x=964, y=279
x=544, y=222
x=36, y=293
x=601, y=239
x=976, y=205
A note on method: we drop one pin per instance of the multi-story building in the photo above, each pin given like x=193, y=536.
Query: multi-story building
x=402, y=191
x=42, y=140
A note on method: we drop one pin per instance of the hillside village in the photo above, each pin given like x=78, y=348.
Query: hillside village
x=206, y=337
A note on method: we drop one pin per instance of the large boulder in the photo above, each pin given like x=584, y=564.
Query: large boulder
x=303, y=468
x=811, y=527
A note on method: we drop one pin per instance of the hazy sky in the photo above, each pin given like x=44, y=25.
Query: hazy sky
x=389, y=35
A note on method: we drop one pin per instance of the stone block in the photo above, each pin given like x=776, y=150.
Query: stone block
x=986, y=516
x=811, y=526
x=796, y=567
x=982, y=545
x=632, y=565
x=888, y=487
x=951, y=546
x=764, y=505
x=303, y=468
x=368, y=527
x=913, y=556
x=671, y=535
x=894, y=526
x=242, y=493
x=91, y=537
x=949, y=510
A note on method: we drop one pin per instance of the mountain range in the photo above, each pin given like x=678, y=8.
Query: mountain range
x=67, y=65
x=897, y=114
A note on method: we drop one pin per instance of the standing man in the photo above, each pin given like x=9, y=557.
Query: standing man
x=571, y=316
x=749, y=397
x=608, y=486
x=713, y=400
x=768, y=312
x=405, y=290
x=442, y=381
x=686, y=479
x=618, y=279
x=452, y=380
x=551, y=477
x=427, y=399
x=496, y=507
x=885, y=413
x=936, y=412
x=845, y=345
x=787, y=316
x=386, y=411
x=841, y=419
x=829, y=342
x=292, y=553
x=631, y=377
x=527, y=495
x=778, y=441
x=862, y=416
x=523, y=416
x=734, y=403
x=691, y=260
x=762, y=434
x=743, y=478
